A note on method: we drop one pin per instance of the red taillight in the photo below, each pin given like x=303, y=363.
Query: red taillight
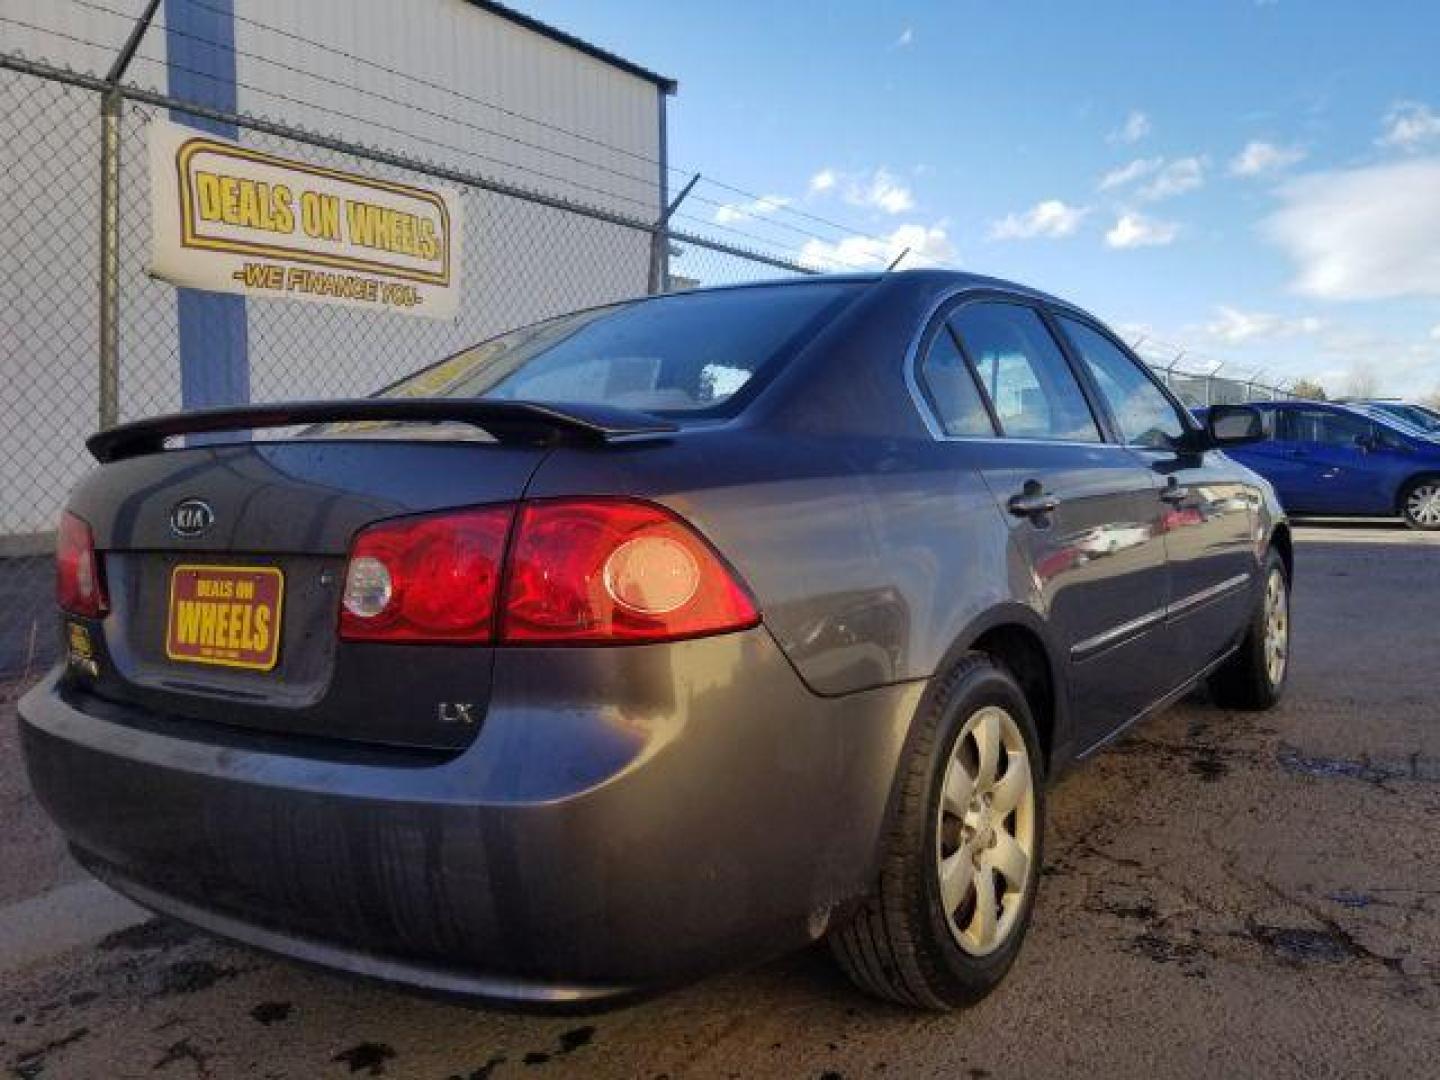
x=78, y=585
x=433, y=578
x=616, y=570
x=577, y=570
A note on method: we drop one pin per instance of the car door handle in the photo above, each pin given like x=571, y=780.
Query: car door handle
x=1033, y=501
x=1174, y=493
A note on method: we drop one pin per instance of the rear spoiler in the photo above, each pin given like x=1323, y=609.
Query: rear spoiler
x=507, y=421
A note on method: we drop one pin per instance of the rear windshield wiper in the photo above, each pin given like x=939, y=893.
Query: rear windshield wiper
x=506, y=421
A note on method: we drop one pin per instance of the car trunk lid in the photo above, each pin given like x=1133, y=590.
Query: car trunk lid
x=277, y=522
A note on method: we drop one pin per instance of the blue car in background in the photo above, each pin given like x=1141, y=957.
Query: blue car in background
x=1327, y=458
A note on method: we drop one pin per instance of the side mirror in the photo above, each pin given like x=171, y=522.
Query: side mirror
x=1234, y=425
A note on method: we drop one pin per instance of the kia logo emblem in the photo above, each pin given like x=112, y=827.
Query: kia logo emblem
x=191, y=517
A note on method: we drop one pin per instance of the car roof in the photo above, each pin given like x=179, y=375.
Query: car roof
x=1309, y=403
x=927, y=279
x=1365, y=409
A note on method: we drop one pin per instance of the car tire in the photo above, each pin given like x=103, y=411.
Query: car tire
x=1255, y=675
x=903, y=944
x=1420, y=503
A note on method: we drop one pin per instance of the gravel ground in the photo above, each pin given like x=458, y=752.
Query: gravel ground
x=1225, y=894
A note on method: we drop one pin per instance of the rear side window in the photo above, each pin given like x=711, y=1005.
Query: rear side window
x=1030, y=385
x=1144, y=415
x=687, y=353
x=950, y=387
x=1411, y=415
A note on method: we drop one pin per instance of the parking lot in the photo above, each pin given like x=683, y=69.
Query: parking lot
x=1224, y=894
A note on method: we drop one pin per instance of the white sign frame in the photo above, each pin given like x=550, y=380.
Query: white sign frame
x=231, y=218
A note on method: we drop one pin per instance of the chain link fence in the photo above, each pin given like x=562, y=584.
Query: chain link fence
x=1204, y=390
x=526, y=256
x=1201, y=390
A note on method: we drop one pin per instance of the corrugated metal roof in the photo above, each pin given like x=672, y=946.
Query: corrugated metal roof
x=664, y=82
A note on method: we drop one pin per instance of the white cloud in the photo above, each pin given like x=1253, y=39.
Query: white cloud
x=1409, y=125
x=1166, y=179
x=1136, y=127
x=1176, y=178
x=1128, y=174
x=823, y=181
x=1132, y=230
x=1233, y=326
x=1260, y=158
x=881, y=190
x=761, y=207
x=1435, y=332
x=1361, y=234
x=907, y=37
x=1051, y=218
x=928, y=244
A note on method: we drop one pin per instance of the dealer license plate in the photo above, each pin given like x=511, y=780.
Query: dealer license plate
x=225, y=615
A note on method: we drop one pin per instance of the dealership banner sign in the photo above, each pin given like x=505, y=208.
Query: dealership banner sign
x=232, y=219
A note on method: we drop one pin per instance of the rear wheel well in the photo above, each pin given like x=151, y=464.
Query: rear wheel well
x=1020, y=651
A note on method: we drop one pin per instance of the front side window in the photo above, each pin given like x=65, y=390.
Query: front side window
x=1268, y=423
x=948, y=383
x=683, y=354
x=1030, y=385
x=1388, y=438
x=1144, y=415
x=1325, y=427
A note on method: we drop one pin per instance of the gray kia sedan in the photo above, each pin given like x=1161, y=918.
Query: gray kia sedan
x=652, y=639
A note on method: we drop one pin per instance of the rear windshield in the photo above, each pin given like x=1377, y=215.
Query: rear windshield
x=1417, y=418
x=682, y=354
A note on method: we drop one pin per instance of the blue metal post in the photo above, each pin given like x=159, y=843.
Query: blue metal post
x=214, y=346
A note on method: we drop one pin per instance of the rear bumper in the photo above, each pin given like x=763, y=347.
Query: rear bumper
x=625, y=818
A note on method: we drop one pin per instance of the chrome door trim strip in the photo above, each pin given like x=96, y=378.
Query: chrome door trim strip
x=1091, y=645
x=1212, y=593
x=1082, y=650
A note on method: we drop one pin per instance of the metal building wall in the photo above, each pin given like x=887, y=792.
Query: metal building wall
x=614, y=116
x=597, y=143
x=462, y=47
x=462, y=62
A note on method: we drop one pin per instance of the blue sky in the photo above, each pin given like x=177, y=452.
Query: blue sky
x=1258, y=182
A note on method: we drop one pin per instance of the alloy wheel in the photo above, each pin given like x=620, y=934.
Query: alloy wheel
x=986, y=831
x=1277, y=628
x=1422, y=505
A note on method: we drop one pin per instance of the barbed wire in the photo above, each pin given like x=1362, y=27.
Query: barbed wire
x=263, y=125
x=714, y=226
x=677, y=170
x=166, y=63
x=366, y=91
